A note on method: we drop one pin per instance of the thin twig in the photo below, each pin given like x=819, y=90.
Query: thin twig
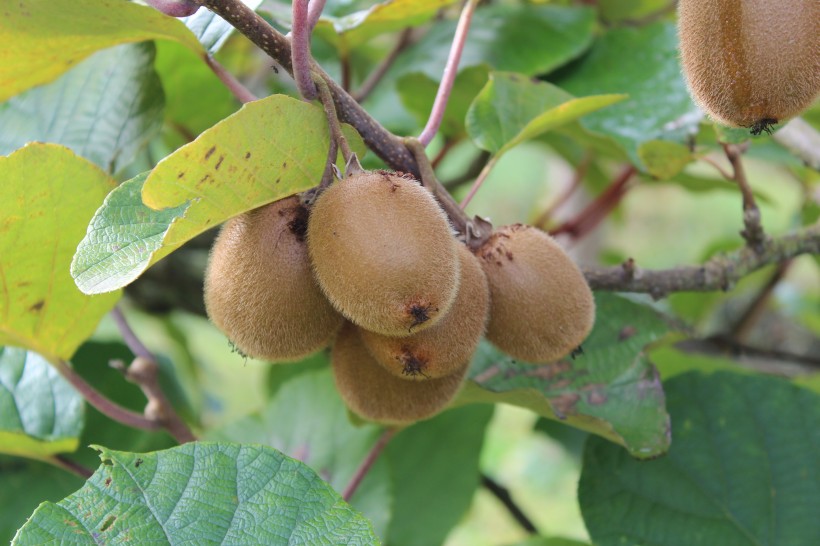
x=61, y=461
x=753, y=232
x=595, y=212
x=577, y=178
x=473, y=170
x=238, y=90
x=333, y=120
x=753, y=312
x=128, y=335
x=367, y=464
x=718, y=273
x=315, y=12
x=479, y=181
x=462, y=222
x=378, y=73
x=300, y=42
x=449, y=75
x=102, y=404
x=144, y=372
x=503, y=495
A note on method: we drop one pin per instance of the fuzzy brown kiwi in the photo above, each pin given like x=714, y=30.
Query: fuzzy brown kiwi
x=377, y=395
x=259, y=288
x=383, y=252
x=751, y=63
x=541, y=306
x=446, y=347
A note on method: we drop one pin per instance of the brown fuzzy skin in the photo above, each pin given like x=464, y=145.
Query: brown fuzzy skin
x=383, y=252
x=749, y=61
x=377, y=395
x=259, y=288
x=541, y=306
x=447, y=347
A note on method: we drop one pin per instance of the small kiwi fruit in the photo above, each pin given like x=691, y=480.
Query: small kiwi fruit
x=259, y=288
x=376, y=394
x=447, y=346
x=383, y=252
x=751, y=63
x=541, y=306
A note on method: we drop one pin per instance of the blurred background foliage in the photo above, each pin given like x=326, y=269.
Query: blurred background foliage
x=678, y=210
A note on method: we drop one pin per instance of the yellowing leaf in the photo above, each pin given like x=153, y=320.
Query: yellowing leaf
x=44, y=38
x=47, y=197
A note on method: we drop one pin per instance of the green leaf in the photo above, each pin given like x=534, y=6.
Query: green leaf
x=44, y=39
x=525, y=38
x=435, y=474
x=40, y=412
x=354, y=29
x=511, y=109
x=204, y=493
x=659, y=107
x=743, y=470
x=105, y=109
x=306, y=419
x=664, y=159
x=210, y=29
x=270, y=149
x=620, y=10
x=195, y=99
x=121, y=239
x=611, y=389
x=49, y=195
x=418, y=92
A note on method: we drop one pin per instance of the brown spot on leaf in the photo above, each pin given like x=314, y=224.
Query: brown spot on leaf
x=107, y=482
x=627, y=332
x=180, y=174
x=595, y=393
x=284, y=164
x=549, y=371
x=218, y=163
x=564, y=404
x=210, y=152
x=37, y=306
x=137, y=463
x=247, y=155
x=109, y=521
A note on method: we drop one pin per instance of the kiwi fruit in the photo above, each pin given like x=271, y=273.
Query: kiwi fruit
x=383, y=252
x=445, y=348
x=541, y=306
x=751, y=63
x=259, y=288
x=376, y=394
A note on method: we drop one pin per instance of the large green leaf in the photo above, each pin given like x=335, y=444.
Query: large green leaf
x=511, y=109
x=48, y=195
x=306, y=419
x=203, y=493
x=40, y=413
x=518, y=38
x=44, y=38
x=643, y=63
x=268, y=150
x=743, y=470
x=105, y=108
x=356, y=28
x=611, y=389
x=435, y=474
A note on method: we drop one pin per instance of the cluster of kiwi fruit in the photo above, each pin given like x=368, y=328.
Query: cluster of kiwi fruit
x=751, y=63
x=374, y=268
